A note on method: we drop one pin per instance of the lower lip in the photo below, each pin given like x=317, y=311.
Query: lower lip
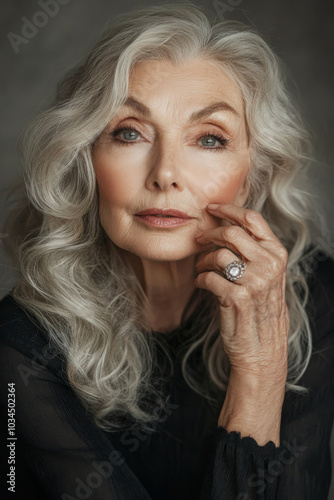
x=152, y=220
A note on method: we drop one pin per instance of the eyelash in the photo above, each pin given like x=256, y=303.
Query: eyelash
x=224, y=142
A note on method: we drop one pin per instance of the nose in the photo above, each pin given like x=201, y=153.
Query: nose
x=165, y=172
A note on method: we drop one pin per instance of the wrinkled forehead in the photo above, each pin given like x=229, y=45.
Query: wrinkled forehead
x=186, y=89
x=197, y=80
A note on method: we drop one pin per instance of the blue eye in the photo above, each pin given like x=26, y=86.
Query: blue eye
x=130, y=130
x=132, y=133
x=214, y=137
x=210, y=139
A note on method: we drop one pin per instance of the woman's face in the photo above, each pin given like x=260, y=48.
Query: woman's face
x=166, y=156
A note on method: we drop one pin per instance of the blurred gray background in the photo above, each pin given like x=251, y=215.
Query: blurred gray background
x=300, y=31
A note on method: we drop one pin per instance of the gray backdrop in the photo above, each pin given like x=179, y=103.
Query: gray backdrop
x=301, y=32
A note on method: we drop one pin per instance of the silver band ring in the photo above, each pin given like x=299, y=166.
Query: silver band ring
x=234, y=271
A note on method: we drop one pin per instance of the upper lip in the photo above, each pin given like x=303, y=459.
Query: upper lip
x=165, y=211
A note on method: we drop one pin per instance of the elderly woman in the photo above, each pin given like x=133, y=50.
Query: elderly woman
x=171, y=333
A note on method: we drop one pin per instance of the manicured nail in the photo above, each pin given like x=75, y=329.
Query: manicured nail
x=212, y=206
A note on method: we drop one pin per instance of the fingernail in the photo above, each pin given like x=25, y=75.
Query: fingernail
x=212, y=206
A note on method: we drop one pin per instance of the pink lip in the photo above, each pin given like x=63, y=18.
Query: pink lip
x=176, y=217
x=167, y=211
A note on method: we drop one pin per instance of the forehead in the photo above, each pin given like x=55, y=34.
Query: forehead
x=189, y=84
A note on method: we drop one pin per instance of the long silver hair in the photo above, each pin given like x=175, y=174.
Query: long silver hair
x=78, y=285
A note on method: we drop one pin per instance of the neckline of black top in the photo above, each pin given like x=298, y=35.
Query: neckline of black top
x=185, y=325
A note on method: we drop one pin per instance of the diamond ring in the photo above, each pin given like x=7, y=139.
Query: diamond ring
x=234, y=271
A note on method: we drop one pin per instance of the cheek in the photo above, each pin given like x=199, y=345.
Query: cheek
x=227, y=187
x=221, y=183
x=113, y=190
x=115, y=187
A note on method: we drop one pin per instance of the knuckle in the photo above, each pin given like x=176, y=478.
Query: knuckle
x=219, y=259
x=258, y=282
x=208, y=278
x=239, y=294
x=252, y=217
x=277, y=266
x=284, y=254
x=231, y=232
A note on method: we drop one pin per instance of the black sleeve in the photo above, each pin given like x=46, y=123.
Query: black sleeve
x=307, y=473
x=60, y=453
x=238, y=469
x=300, y=467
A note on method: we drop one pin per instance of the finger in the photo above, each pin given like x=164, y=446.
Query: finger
x=216, y=261
x=219, y=286
x=237, y=240
x=248, y=219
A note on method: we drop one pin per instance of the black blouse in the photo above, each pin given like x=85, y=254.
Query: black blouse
x=59, y=453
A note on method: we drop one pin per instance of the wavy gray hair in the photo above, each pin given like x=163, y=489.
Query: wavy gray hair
x=78, y=285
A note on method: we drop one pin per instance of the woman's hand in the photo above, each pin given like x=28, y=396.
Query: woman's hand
x=255, y=318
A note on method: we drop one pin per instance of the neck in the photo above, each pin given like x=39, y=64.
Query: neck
x=168, y=287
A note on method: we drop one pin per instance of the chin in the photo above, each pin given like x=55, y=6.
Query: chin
x=162, y=249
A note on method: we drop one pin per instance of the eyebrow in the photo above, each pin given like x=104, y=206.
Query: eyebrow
x=195, y=116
